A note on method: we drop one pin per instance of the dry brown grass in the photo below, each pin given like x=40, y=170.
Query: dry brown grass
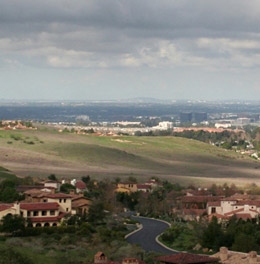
x=175, y=159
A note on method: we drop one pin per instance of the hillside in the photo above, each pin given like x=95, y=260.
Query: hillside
x=42, y=152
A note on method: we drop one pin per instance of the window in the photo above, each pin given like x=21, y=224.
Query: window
x=45, y=200
x=64, y=200
x=213, y=210
x=44, y=213
x=28, y=213
x=52, y=212
x=35, y=213
x=60, y=200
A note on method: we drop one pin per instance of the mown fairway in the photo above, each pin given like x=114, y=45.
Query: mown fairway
x=42, y=152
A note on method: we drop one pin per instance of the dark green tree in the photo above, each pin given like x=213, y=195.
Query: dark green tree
x=52, y=177
x=96, y=213
x=13, y=223
x=212, y=235
x=67, y=187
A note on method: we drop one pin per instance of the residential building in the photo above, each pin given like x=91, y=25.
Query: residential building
x=231, y=206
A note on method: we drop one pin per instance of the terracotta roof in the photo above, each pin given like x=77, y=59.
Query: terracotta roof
x=186, y=258
x=218, y=216
x=47, y=219
x=234, y=211
x=249, y=202
x=58, y=195
x=199, y=199
x=5, y=206
x=99, y=254
x=80, y=204
x=215, y=203
x=229, y=199
x=80, y=185
x=244, y=216
x=39, y=206
x=143, y=186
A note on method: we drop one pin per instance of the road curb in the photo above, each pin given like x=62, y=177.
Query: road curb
x=157, y=238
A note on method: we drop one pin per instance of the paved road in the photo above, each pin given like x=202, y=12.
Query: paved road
x=146, y=237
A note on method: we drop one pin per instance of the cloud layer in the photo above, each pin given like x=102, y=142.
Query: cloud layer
x=214, y=37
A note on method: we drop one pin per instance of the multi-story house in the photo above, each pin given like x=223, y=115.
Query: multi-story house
x=232, y=206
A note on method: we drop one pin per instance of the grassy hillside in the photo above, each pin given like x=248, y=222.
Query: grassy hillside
x=42, y=152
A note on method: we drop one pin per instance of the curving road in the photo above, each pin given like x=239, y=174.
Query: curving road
x=146, y=236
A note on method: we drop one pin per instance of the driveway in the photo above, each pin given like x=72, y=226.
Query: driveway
x=146, y=236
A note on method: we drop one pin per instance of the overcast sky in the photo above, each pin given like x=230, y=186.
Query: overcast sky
x=119, y=49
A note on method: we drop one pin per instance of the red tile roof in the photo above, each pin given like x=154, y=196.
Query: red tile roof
x=244, y=216
x=80, y=185
x=199, y=199
x=143, y=186
x=215, y=203
x=249, y=202
x=58, y=196
x=47, y=219
x=5, y=206
x=39, y=206
x=186, y=258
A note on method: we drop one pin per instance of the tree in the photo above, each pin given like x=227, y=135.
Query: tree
x=13, y=223
x=245, y=243
x=9, y=195
x=96, y=213
x=52, y=177
x=85, y=179
x=66, y=187
x=212, y=234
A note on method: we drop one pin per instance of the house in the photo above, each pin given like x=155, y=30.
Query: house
x=191, y=207
x=80, y=186
x=144, y=188
x=127, y=187
x=53, y=184
x=6, y=209
x=232, y=206
x=36, y=214
x=64, y=201
x=100, y=258
x=80, y=204
x=186, y=258
x=36, y=196
x=41, y=214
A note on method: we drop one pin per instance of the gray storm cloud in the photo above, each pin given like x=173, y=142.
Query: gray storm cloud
x=109, y=35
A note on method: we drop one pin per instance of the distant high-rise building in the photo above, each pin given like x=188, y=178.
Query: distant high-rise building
x=199, y=117
x=185, y=117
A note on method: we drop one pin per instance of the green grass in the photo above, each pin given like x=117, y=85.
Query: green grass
x=71, y=154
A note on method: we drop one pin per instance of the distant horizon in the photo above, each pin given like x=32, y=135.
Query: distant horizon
x=130, y=100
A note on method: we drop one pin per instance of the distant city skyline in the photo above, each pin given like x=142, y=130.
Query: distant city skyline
x=120, y=49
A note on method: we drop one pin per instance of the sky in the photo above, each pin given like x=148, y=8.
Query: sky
x=124, y=49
